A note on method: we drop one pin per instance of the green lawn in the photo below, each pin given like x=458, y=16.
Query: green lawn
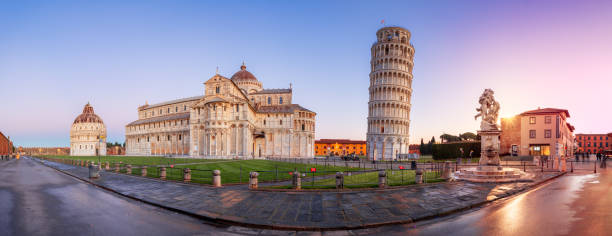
x=232, y=171
x=238, y=171
x=363, y=179
x=135, y=160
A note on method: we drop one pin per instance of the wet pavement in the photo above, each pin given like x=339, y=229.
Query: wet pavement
x=578, y=203
x=37, y=200
x=311, y=210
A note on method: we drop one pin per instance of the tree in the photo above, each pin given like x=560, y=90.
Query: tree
x=449, y=138
x=468, y=136
x=422, y=147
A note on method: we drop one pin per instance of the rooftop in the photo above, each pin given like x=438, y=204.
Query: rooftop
x=540, y=111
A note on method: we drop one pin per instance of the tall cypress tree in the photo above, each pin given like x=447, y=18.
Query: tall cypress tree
x=422, y=147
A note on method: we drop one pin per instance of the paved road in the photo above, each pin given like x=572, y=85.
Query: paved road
x=37, y=200
x=575, y=204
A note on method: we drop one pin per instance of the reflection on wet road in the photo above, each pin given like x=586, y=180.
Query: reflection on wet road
x=575, y=204
x=37, y=200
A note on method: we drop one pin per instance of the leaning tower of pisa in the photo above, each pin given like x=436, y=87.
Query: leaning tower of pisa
x=390, y=92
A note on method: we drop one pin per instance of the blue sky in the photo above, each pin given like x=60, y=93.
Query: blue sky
x=55, y=56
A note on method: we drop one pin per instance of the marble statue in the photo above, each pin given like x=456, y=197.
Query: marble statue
x=489, y=111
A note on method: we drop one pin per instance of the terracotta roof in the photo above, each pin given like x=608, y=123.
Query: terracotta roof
x=339, y=141
x=175, y=116
x=172, y=102
x=88, y=116
x=243, y=75
x=547, y=111
x=273, y=91
x=291, y=108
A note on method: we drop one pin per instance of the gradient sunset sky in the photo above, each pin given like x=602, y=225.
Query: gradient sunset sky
x=55, y=56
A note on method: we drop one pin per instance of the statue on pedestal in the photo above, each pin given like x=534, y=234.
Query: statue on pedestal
x=488, y=110
x=489, y=131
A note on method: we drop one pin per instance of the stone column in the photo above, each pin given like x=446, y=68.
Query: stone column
x=297, y=180
x=162, y=172
x=339, y=180
x=382, y=179
x=216, y=180
x=253, y=180
x=187, y=175
x=418, y=176
x=446, y=172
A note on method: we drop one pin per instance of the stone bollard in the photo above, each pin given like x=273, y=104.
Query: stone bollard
x=117, y=167
x=162, y=172
x=339, y=180
x=216, y=178
x=143, y=171
x=81, y=163
x=253, y=180
x=446, y=171
x=297, y=181
x=128, y=169
x=418, y=176
x=107, y=166
x=94, y=171
x=187, y=175
x=382, y=179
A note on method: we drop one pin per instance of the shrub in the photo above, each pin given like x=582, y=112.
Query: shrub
x=450, y=150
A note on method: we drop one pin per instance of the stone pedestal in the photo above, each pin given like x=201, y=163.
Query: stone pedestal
x=216, y=178
x=489, y=147
x=253, y=182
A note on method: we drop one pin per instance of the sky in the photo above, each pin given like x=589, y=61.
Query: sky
x=55, y=56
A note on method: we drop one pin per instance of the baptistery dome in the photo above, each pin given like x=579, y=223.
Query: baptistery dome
x=88, y=134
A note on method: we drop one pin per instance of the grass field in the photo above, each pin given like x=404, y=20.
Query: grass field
x=135, y=160
x=361, y=179
x=232, y=171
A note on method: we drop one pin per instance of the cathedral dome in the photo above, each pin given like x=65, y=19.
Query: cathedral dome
x=243, y=75
x=88, y=116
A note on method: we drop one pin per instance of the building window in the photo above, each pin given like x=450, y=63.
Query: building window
x=532, y=120
x=237, y=108
x=547, y=120
x=185, y=108
x=264, y=122
x=382, y=130
x=532, y=133
x=168, y=137
x=269, y=100
x=157, y=138
x=217, y=89
x=180, y=137
x=147, y=139
x=168, y=109
x=280, y=100
x=175, y=109
x=281, y=122
x=547, y=133
x=160, y=111
x=303, y=127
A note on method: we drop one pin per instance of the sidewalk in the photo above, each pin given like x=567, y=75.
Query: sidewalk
x=306, y=210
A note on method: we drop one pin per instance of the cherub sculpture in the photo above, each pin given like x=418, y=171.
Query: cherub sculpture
x=488, y=111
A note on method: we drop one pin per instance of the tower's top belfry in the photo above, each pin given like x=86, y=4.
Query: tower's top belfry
x=390, y=93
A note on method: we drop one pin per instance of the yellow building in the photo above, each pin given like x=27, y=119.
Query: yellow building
x=339, y=147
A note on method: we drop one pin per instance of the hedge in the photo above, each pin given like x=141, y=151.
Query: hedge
x=441, y=151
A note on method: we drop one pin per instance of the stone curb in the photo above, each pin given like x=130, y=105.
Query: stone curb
x=209, y=216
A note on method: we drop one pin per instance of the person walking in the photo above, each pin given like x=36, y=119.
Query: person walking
x=471, y=155
x=460, y=155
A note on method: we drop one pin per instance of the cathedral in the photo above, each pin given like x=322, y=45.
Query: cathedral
x=235, y=118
